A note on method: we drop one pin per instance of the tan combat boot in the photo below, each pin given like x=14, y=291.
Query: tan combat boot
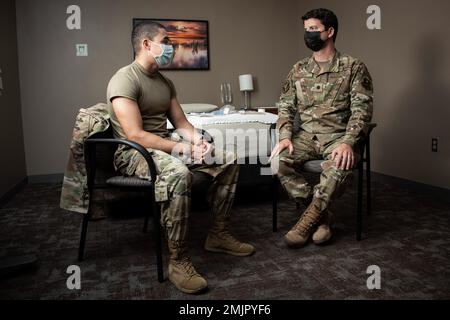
x=323, y=232
x=221, y=240
x=181, y=271
x=300, y=233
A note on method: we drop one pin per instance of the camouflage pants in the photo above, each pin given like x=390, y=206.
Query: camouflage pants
x=309, y=147
x=174, y=182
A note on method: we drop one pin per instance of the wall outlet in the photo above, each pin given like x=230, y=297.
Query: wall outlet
x=434, y=144
x=82, y=50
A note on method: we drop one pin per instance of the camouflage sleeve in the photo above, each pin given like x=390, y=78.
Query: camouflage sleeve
x=361, y=104
x=287, y=107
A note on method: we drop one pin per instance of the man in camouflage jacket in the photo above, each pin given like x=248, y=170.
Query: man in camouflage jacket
x=333, y=95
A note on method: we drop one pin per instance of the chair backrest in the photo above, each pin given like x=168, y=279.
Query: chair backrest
x=104, y=154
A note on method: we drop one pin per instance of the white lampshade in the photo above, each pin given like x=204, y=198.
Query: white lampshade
x=246, y=82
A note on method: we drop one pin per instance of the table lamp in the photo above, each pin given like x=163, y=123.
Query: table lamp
x=246, y=85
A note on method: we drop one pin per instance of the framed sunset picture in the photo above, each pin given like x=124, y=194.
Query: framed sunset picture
x=190, y=39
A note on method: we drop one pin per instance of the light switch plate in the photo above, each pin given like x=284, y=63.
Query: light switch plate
x=82, y=50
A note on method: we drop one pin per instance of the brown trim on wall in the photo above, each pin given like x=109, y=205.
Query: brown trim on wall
x=47, y=178
x=409, y=184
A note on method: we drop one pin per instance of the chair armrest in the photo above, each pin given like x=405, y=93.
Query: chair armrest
x=366, y=137
x=90, y=145
x=364, y=144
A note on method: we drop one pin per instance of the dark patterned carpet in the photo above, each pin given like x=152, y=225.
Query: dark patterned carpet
x=407, y=236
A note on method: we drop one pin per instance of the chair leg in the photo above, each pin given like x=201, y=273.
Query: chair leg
x=359, y=205
x=157, y=240
x=83, y=236
x=274, y=204
x=368, y=178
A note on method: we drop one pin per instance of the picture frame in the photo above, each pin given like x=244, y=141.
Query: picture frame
x=190, y=39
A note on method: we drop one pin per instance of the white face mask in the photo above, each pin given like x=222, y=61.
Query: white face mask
x=166, y=56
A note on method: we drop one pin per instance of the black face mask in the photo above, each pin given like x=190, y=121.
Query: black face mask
x=313, y=41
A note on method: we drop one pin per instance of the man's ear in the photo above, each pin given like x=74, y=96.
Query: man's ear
x=331, y=34
x=146, y=44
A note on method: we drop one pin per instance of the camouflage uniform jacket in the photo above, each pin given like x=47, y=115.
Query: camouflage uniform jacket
x=74, y=194
x=332, y=104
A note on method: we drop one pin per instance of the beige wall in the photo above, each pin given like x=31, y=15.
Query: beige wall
x=12, y=160
x=258, y=37
x=409, y=59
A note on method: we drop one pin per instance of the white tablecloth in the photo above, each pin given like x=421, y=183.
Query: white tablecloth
x=199, y=121
x=253, y=128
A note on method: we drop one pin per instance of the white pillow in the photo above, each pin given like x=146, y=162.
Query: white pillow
x=198, y=107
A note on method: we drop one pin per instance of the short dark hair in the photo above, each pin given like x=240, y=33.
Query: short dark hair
x=326, y=17
x=145, y=29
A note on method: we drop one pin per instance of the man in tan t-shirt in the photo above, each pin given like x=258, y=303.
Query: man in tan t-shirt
x=141, y=100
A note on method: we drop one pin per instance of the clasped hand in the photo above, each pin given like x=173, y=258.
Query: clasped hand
x=197, y=152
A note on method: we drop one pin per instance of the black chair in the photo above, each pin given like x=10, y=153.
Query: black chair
x=99, y=152
x=314, y=166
